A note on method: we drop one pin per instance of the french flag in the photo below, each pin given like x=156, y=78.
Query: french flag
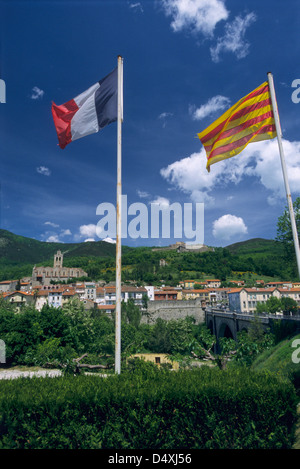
x=89, y=112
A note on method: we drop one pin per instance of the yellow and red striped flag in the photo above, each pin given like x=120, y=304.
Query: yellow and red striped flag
x=251, y=119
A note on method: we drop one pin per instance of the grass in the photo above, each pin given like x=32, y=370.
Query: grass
x=296, y=445
x=278, y=360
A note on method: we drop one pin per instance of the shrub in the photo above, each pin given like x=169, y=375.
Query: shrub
x=204, y=408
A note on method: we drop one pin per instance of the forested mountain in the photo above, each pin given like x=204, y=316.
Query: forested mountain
x=259, y=257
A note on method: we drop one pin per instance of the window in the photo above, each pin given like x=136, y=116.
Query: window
x=157, y=359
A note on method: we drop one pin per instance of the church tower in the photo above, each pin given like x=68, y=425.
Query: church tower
x=58, y=260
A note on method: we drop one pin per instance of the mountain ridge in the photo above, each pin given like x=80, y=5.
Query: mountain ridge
x=20, y=249
x=17, y=248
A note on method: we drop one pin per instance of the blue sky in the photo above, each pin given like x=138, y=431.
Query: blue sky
x=185, y=63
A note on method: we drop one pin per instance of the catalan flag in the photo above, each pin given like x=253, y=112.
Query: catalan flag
x=251, y=119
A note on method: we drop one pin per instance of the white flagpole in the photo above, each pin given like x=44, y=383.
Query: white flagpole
x=284, y=170
x=119, y=224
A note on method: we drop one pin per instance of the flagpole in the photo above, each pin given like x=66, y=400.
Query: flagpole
x=284, y=170
x=118, y=238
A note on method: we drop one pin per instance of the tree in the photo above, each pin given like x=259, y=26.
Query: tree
x=132, y=313
x=272, y=306
x=249, y=345
x=285, y=233
x=289, y=306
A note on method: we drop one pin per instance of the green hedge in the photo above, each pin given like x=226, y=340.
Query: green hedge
x=205, y=408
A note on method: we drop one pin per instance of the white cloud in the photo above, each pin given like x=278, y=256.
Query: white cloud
x=136, y=7
x=43, y=170
x=259, y=159
x=233, y=39
x=195, y=15
x=88, y=230
x=164, y=116
x=143, y=194
x=161, y=201
x=37, y=93
x=65, y=233
x=190, y=176
x=109, y=240
x=54, y=225
x=213, y=105
x=53, y=239
x=228, y=226
x=202, y=17
x=89, y=240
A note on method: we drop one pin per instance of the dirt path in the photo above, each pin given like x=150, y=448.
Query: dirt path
x=12, y=374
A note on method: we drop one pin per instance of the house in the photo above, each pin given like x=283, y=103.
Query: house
x=260, y=282
x=244, y=300
x=279, y=285
x=165, y=294
x=219, y=296
x=202, y=293
x=293, y=293
x=200, y=284
x=237, y=283
x=150, y=292
x=108, y=309
x=19, y=298
x=80, y=289
x=88, y=304
x=100, y=295
x=90, y=291
x=25, y=286
x=8, y=285
x=188, y=284
x=163, y=263
x=213, y=283
x=134, y=293
x=41, y=298
x=107, y=295
x=157, y=358
x=69, y=294
x=55, y=298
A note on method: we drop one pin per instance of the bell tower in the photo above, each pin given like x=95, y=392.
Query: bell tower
x=58, y=260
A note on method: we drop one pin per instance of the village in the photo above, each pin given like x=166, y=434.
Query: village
x=49, y=285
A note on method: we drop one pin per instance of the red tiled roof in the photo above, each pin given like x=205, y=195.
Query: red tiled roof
x=106, y=306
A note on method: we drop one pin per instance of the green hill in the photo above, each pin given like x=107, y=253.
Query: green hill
x=278, y=359
x=262, y=257
x=256, y=247
x=19, y=249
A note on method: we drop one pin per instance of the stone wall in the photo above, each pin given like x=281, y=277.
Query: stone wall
x=174, y=309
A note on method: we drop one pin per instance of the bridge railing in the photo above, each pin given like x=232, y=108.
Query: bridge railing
x=248, y=315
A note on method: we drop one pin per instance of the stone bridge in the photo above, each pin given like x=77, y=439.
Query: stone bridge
x=227, y=323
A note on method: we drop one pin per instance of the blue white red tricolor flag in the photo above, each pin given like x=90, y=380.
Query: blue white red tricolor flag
x=89, y=112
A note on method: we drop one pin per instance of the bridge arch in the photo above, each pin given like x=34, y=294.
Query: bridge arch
x=225, y=331
x=210, y=326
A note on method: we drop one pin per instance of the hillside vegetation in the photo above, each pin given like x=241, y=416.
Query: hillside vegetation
x=256, y=258
x=279, y=359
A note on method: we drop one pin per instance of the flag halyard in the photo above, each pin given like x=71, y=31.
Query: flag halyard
x=251, y=119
